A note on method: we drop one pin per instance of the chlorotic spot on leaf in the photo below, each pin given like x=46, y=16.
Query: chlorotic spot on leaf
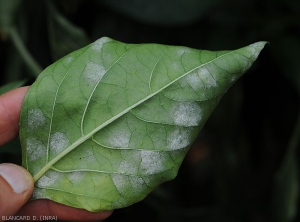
x=48, y=179
x=178, y=139
x=187, y=114
x=36, y=149
x=58, y=142
x=76, y=176
x=105, y=125
x=35, y=119
x=69, y=60
x=97, y=45
x=93, y=72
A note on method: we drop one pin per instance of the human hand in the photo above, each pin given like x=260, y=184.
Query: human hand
x=16, y=183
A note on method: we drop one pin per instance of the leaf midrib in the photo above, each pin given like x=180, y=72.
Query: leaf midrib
x=89, y=135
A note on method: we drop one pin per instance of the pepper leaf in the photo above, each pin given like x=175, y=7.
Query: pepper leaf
x=105, y=125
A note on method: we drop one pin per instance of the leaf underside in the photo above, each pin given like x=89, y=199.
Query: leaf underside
x=105, y=125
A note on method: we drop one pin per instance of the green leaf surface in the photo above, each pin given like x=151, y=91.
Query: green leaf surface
x=105, y=125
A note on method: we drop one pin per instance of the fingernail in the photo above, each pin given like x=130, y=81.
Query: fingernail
x=15, y=177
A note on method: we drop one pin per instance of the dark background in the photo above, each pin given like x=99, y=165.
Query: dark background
x=244, y=165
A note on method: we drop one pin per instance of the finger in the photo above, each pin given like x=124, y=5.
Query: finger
x=43, y=208
x=10, y=106
x=16, y=188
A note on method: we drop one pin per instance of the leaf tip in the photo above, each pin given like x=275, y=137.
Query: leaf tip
x=255, y=49
x=259, y=45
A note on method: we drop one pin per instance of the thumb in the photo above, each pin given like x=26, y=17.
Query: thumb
x=16, y=187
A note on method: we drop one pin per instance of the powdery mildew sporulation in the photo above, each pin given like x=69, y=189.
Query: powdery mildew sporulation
x=35, y=149
x=194, y=81
x=128, y=167
x=93, y=72
x=187, y=114
x=254, y=51
x=58, y=142
x=48, y=179
x=97, y=45
x=76, y=176
x=233, y=78
x=69, y=59
x=207, y=77
x=170, y=140
x=36, y=119
x=137, y=184
x=90, y=156
x=182, y=51
x=120, y=138
x=178, y=139
x=38, y=193
x=175, y=66
x=152, y=162
x=120, y=182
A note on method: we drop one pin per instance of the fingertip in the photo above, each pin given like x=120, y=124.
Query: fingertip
x=16, y=188
x=10, y=106
x=44, y=207
x=16, y=177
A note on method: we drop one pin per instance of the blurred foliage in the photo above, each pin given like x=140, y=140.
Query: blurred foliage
x=244, y=165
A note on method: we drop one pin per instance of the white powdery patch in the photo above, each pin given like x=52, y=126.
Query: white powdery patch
x=97, y=45
x=255, y=55
x=38, y=193
x=181, y=51
x=207, y=78
x=176, y=66
x=90, y=156
x=152, y=162
x=194, y=81
x=187, y=114
x=137, y=184
x=120, y=138
x=178, y=139
x=93, y=72
x=233, y=78
x=147, y=181
x=120, y=181
x=255, y=49
x=58, y=142
x=76, y=176
x=127, y=167
x=36, y=119
x=35, y=149
x=48, y=179
x=69, y=59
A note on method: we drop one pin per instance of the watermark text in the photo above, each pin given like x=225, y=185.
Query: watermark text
x=29, y=218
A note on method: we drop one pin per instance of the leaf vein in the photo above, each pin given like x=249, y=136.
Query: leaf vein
x=89, y=99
